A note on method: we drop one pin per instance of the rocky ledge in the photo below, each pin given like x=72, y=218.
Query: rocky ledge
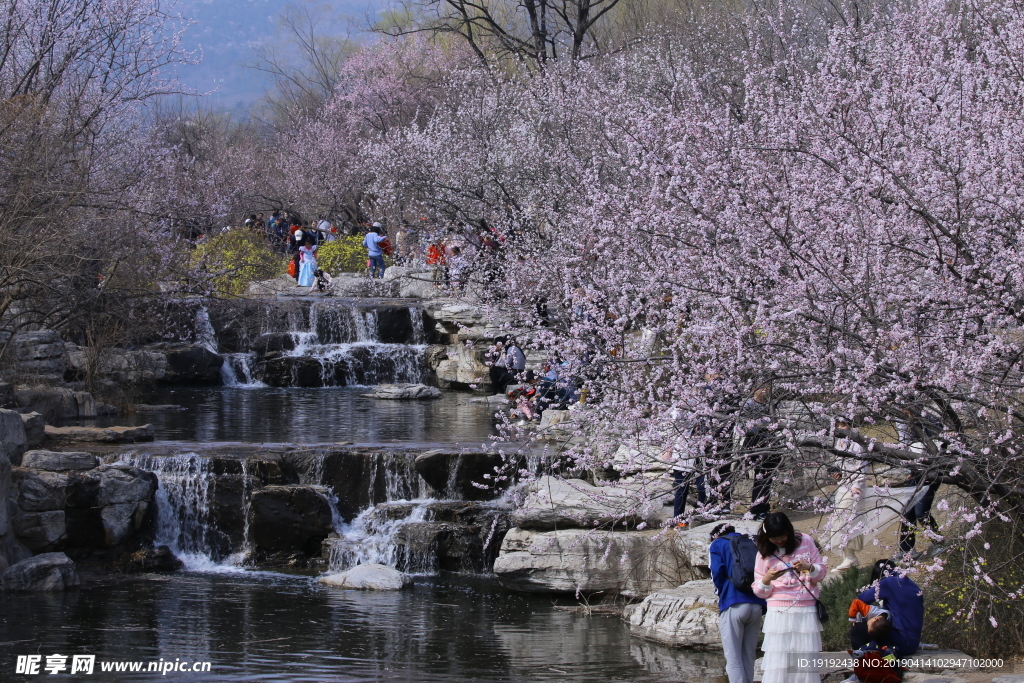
x=630, y=563
x=102, y=434
x=685, y=616
x=404, y=392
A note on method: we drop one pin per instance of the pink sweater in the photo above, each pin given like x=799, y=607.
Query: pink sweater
x=786, y=591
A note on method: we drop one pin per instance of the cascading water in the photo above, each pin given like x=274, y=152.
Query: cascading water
x=337, y=343
x=183, y=507
x=237, y=370
x=374, y=538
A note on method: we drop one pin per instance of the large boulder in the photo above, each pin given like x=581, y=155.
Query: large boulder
x=463, y=367
x=377, y=577
x=686, y=616
x=555, y=503
x=41, y=531
x=35, y=429
x=13, y=442
x=404, y=392
x=46, y=572
x=465, y=476
x=295, y=371
x=61, y=403
x=288, y=519
x=100, y=507
x=38, y=491
x=414, y=282
x=273, y=345
x=192, y=365
x=102, y=434
x=126, y=367
x=55, y=461
x=633, y=563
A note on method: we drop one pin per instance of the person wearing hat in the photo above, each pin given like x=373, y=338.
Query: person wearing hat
x=373, y=250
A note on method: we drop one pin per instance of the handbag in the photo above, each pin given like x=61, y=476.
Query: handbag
x=823, y=615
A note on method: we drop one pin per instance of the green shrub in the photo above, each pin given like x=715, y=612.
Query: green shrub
x=344, y=255
x=960, y=607
x=236, y=258
x=837, y=596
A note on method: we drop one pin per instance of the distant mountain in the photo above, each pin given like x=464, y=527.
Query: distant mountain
x=227, y=31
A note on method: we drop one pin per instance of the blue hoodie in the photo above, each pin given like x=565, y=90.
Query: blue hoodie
x=721, y=563
x=904, y=600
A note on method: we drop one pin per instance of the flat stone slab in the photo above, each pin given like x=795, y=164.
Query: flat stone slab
x=404, y=392
x=55, y=461
x=376, y=577
x=495, y=400
x=157, y=408
x=103, y=434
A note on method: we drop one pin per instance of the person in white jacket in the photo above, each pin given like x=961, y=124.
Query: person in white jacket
x=850, y=503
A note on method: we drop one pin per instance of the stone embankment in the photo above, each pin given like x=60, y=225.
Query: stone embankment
x=66, y=504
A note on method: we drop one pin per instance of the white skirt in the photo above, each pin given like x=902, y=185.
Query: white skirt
x=791, y=634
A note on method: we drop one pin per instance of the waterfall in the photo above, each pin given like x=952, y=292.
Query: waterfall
x=332, y=343
x=206, y=335
x=184, y=520
x=373, y=537
x=419, y=335
x=238, y=371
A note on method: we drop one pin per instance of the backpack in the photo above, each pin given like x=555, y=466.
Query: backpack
x=744, y=555
x=386, y=247
x=876, y=664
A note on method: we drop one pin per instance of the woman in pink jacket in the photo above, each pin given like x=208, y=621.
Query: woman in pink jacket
x=786, y=574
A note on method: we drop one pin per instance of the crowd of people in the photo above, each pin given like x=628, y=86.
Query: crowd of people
x=556, y=386
x=448, y=251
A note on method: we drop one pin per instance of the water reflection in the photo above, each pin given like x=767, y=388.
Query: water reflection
x=262, y=627
x=265, y=415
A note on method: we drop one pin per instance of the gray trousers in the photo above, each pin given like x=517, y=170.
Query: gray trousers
x=740, y=626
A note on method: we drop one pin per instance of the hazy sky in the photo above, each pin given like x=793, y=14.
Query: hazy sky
x=227, y=31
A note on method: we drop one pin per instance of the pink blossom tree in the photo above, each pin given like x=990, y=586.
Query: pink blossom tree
x=845, y=235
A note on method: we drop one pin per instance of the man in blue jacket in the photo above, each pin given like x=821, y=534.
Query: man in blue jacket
x=739, y=612
x=905, y=602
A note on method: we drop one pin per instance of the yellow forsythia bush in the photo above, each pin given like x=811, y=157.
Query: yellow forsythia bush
x=234, y=259
x=343, y=255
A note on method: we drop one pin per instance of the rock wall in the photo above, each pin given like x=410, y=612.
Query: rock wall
x=58, y=403
x=38, y=353
x=79, y=509
x=359, y=477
